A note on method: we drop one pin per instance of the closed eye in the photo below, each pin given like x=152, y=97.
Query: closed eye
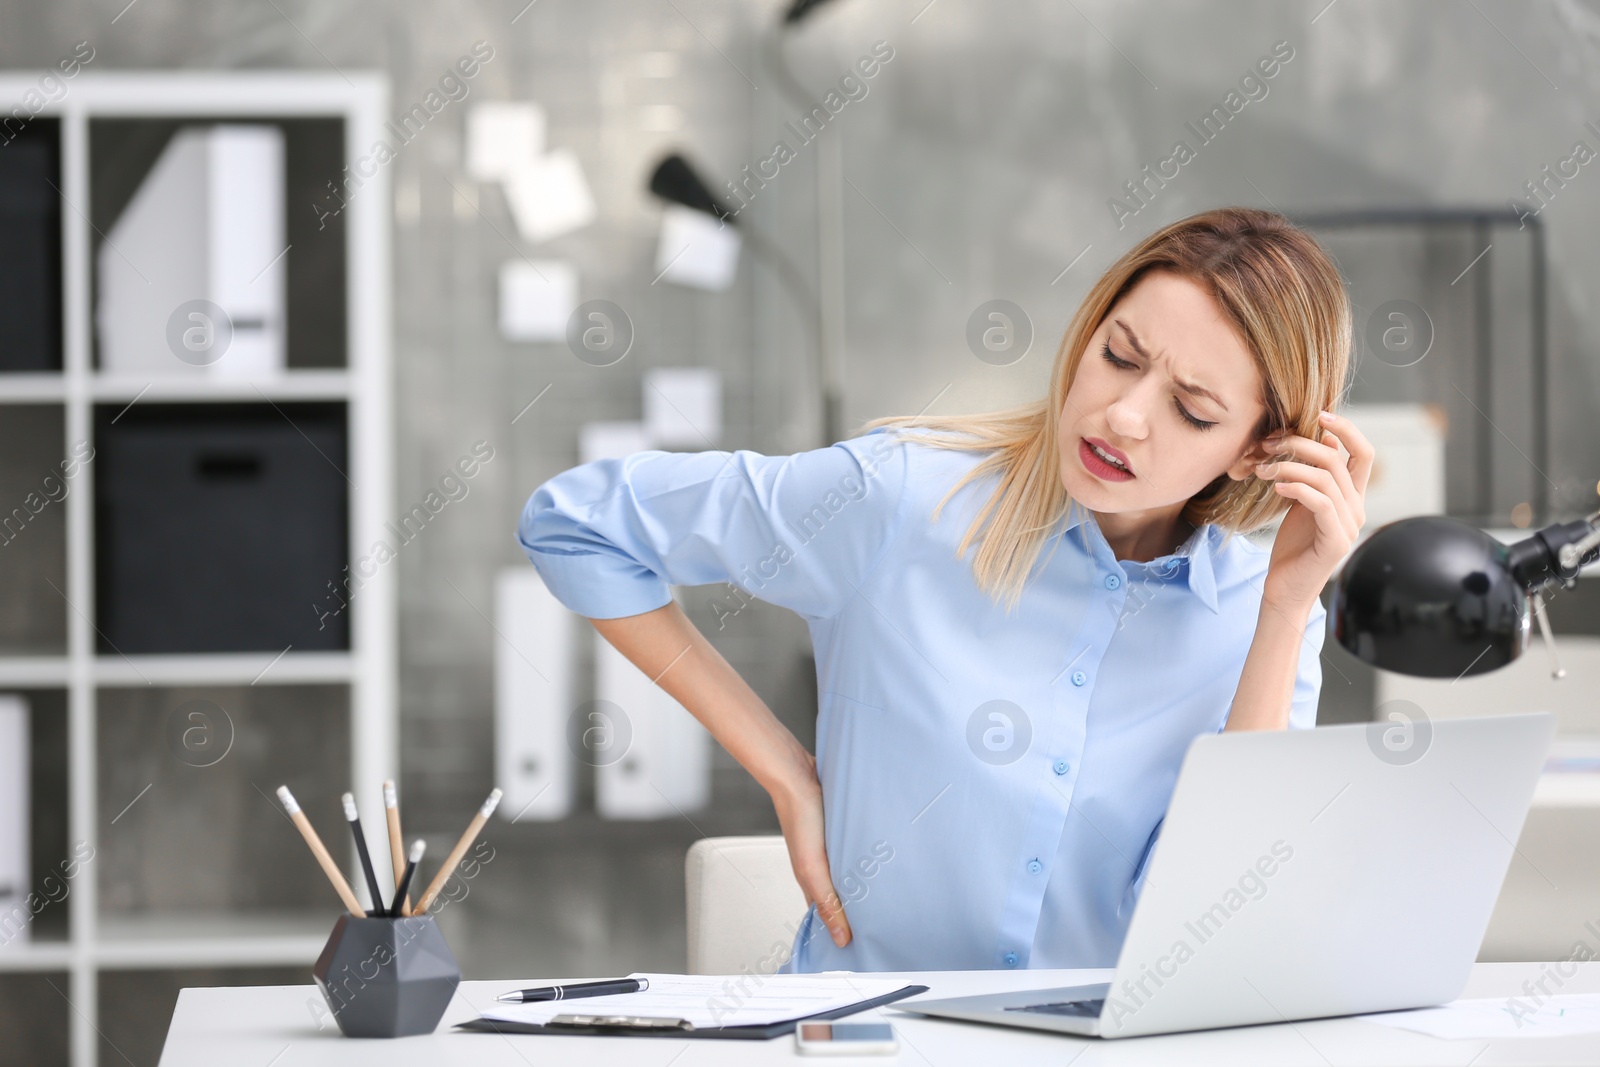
x=1122, y=364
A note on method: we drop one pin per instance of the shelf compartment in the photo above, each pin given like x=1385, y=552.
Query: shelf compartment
x=34, y=488
x=122, y=152
x=221, y=527
x=35, y=1016
x=30, y=259
x=52, y=869
x=186, y=816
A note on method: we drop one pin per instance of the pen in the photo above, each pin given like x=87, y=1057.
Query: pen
x=397, y=847
x=417, y=848
x=577, y=989
x=452, y=860
x=320, y=851
x=354, y=818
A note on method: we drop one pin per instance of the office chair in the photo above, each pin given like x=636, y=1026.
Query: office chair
x=744, y=905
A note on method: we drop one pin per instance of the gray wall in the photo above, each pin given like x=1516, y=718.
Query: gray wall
x=979, y=165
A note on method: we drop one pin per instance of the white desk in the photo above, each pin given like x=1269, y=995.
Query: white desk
x=278, y=1025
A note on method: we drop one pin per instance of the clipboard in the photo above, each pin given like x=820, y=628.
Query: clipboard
x=635, y=1026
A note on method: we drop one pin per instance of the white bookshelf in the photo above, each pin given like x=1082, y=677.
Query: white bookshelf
x=98, y=942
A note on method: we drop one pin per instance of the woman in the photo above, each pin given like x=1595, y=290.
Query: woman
x=1006, y=693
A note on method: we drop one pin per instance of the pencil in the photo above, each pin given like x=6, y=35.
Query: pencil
x=451, y=861
x=417, y=848
x=320, y=851
x=397, y=847
x=353, y=816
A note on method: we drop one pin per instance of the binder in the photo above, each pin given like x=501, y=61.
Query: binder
x=658, y=764
x=636, y=1026
x=653, y=760
x=205, y=227
x=535, y=678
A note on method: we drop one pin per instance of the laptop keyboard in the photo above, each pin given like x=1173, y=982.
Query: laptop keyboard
x=1083, y=1009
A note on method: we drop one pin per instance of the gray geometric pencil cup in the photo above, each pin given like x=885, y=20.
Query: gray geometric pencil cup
x=387, y=977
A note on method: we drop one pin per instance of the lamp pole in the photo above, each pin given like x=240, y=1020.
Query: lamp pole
x=676, y=181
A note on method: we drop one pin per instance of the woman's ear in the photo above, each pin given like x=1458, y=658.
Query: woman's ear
x=1258, y=452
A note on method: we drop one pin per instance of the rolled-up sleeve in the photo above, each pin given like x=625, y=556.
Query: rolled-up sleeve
x=801, y=531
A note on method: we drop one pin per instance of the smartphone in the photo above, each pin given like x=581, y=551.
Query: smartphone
x=846, y=1039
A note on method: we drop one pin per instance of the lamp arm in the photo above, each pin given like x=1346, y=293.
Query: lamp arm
x=778, y=62
x=830, y=376
x=1570, y=555
x=1556, y=553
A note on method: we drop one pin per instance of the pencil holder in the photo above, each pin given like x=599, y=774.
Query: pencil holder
x=387, y=977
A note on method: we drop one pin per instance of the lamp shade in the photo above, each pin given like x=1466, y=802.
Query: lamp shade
x=800, y=10
x=675, y=181
x=1432, y=597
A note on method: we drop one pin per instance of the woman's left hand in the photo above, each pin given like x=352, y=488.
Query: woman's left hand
x=1328, y=487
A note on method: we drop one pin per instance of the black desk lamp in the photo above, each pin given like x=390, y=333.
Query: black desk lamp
x=676, y=181
x=1438, y=598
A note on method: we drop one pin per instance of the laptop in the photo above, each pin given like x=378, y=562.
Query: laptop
x=1304, y=874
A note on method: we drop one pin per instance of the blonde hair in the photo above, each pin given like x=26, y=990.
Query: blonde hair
x=1283, y=295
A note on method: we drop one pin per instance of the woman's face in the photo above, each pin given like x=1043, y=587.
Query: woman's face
x=1165, y=331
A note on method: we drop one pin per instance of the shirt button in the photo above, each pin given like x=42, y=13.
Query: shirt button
x=1078, y=677
x=1010, y=959
x=1113, y=580
x=1034, y=866
x=1061, y=766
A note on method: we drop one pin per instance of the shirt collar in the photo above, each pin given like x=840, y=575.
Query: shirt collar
x=1195, y=552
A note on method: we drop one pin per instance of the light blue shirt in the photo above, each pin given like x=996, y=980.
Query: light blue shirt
x=992, y=783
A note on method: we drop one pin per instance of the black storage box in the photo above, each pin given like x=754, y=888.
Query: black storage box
x=221, y=528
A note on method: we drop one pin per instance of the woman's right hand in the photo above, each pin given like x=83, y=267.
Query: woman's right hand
x=799, y=806
x=667, y=647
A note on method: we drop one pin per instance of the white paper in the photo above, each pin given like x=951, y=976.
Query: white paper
x=696, y=249
x=1493, y=1018
x=714, y=1000
x=550, y=197
x=683, y=406
x=537, y=297
x=504, y=138
x=611, y=440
